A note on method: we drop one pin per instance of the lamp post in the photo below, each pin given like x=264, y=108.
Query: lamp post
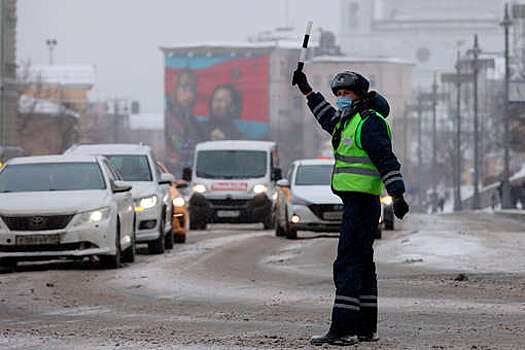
x=457, y=192
x=434, y=144
x=51, y=43
x=506, y=200
x=475, y=51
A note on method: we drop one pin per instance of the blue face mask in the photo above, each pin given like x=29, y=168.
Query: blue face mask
x=343, y=102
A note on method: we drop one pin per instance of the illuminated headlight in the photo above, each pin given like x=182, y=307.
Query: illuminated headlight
x=145, y=203
x=257, y=189
x=199, y=188
x=295, y=219
x=179, y=202
x=93, y=216
x=386, y=200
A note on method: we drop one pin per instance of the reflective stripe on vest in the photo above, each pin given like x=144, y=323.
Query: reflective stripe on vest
x=353, y=159
x=357, y=171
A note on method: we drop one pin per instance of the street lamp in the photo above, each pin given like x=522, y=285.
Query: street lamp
x=51, y=43
x=506, y=202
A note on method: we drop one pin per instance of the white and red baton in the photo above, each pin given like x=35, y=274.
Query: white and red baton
x=302, y=56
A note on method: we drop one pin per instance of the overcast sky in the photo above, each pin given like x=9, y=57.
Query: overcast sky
x=122, y=37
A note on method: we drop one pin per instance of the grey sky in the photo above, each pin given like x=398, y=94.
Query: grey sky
x=121, y=37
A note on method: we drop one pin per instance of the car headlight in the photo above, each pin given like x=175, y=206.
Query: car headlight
x=199, y=188
x=298, y=200
x=257, y=189
x=145, y=203
x=387, y=200
x=179, y=202
x=93, y=216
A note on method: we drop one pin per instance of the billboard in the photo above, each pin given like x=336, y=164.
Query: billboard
x=211, y=96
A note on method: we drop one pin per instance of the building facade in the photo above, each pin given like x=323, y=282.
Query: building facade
x=427, y=33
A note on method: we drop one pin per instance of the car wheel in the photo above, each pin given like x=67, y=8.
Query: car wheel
x=130, y=253
x=198, y=224
x=169, y=240
x=389, y=225
x=291, y=233
x=113, y=261
x=269, y=221
x=158, y=246
x=180, y=238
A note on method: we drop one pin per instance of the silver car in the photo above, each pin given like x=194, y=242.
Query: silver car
x=306, y=201
x=64, y=206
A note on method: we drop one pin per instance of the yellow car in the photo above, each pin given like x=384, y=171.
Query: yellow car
x=180, y=209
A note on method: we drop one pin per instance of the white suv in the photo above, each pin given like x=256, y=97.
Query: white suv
x=153, y=203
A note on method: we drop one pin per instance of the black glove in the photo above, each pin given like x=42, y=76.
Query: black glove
x=400, y=206
x=299, y=78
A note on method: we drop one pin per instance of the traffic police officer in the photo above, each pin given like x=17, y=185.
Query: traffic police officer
x=364, y=163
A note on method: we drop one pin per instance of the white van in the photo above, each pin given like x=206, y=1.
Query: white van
x=234, y=182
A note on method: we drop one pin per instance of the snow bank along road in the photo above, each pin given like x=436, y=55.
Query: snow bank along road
x=446, y=282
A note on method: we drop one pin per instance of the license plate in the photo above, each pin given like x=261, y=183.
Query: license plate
x=228, y=213
x=38, y=239
x=333, y=215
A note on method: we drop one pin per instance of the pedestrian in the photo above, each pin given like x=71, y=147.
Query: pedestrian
x=365, y=163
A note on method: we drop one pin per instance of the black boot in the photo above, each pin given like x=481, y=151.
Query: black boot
x=369, y=337
x=333, y=338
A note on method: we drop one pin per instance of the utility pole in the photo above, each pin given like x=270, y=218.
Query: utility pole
x=457, y=192
x=506, y=200
x=51, y=43
x=419, y=149
x=434, y=144
x=475, y=52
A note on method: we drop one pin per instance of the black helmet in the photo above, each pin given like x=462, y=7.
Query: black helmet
x=350, y=81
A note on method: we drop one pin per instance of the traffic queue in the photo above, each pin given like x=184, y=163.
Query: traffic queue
x=93, y=201
x=102, y=200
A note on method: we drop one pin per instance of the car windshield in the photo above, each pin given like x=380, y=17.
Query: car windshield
x=314, y=175
x=74, y=176
x=132, y=167
x=231, y=164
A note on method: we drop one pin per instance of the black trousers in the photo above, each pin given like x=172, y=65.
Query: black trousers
x=355, y=306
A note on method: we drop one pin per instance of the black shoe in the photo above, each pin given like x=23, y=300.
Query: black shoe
x=369, y=337
x=334, y=339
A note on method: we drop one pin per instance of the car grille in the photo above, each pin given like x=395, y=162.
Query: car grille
x=320, y=209
x=37, y=223
x=46, y=247
x=229, y=203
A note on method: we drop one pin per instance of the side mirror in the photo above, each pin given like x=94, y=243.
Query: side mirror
x=283, y=183
x=277, y=174
x=181, y=183
x=186, y=174
x=120, y=186
x=166, y=179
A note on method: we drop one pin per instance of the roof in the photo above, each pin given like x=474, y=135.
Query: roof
x=236, y=145
x=64, y=74
x=53, y=159
x=31, y=105
x=117, y=148
x=146, y=121
x=350, y=59
x=231, y=45
x=315, y=162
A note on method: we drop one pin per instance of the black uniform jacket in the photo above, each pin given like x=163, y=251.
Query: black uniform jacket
x=374, y=135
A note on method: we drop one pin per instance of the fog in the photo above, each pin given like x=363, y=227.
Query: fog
x=122, y=37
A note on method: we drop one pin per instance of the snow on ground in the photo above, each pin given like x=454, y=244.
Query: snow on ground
x=442, y=242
